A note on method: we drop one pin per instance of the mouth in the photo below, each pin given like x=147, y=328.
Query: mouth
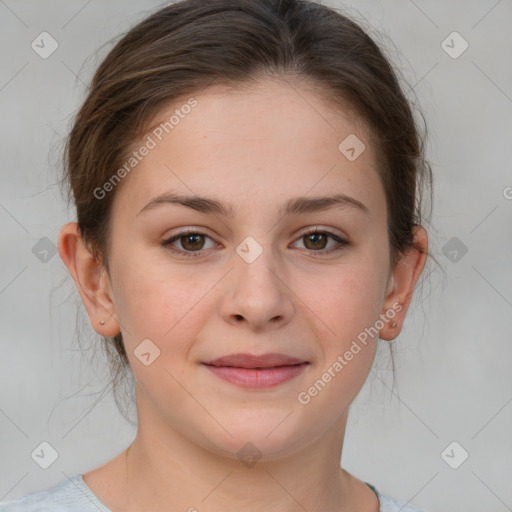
x=271, y=360
x=257, y=372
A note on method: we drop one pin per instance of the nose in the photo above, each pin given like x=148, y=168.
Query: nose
x=256, y=293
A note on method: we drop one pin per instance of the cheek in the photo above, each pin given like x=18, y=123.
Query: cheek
x=346, y=299
x=160, y=301
x=346, y=310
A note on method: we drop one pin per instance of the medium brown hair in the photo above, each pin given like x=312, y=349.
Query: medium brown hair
x=185, y=47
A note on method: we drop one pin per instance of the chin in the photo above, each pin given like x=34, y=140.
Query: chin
x=259, y=440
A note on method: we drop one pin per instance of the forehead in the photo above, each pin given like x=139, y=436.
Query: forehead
x=270, y=140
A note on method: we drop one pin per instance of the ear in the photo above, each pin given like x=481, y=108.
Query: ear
x=402, y=282
x=91, y=279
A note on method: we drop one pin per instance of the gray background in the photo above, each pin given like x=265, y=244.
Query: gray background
x=455, y=353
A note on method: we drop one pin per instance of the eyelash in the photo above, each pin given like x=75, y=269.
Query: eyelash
x=194, y=254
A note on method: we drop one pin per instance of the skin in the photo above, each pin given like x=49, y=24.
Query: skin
x=255, y=147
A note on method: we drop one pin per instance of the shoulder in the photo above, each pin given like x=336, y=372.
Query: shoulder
x=69, y=495
x=392, y=504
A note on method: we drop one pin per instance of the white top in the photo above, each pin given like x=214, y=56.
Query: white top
x=73, y=495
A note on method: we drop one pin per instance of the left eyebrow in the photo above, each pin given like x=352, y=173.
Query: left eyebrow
x=296, y=205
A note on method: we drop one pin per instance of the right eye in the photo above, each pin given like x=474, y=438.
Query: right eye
x=190, y=242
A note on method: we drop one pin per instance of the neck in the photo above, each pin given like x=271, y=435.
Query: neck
x=165, y=470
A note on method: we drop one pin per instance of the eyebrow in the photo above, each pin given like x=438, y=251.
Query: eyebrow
x=295, y=205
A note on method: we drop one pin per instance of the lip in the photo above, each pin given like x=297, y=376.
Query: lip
x=256, y=372
x=242, y=360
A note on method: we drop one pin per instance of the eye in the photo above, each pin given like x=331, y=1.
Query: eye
x=317, y=240
x=190, y=241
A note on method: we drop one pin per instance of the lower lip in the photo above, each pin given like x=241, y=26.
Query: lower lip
x=257, y=378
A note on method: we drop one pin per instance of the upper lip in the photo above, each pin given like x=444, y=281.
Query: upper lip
x=241, y=360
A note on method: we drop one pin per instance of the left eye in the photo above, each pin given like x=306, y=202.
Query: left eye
x=191, y=242
x=317, y=241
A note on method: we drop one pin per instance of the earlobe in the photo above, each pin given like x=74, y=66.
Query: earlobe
x=91, y=280
x=402, y=284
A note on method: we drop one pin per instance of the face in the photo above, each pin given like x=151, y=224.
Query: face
x=252, y=279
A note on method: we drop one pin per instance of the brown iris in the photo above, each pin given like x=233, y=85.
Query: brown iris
x=315, y=237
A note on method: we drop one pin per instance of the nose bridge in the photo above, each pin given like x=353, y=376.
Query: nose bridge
x=255, y=265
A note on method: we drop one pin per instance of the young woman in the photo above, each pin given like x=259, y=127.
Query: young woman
x=247, y=179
